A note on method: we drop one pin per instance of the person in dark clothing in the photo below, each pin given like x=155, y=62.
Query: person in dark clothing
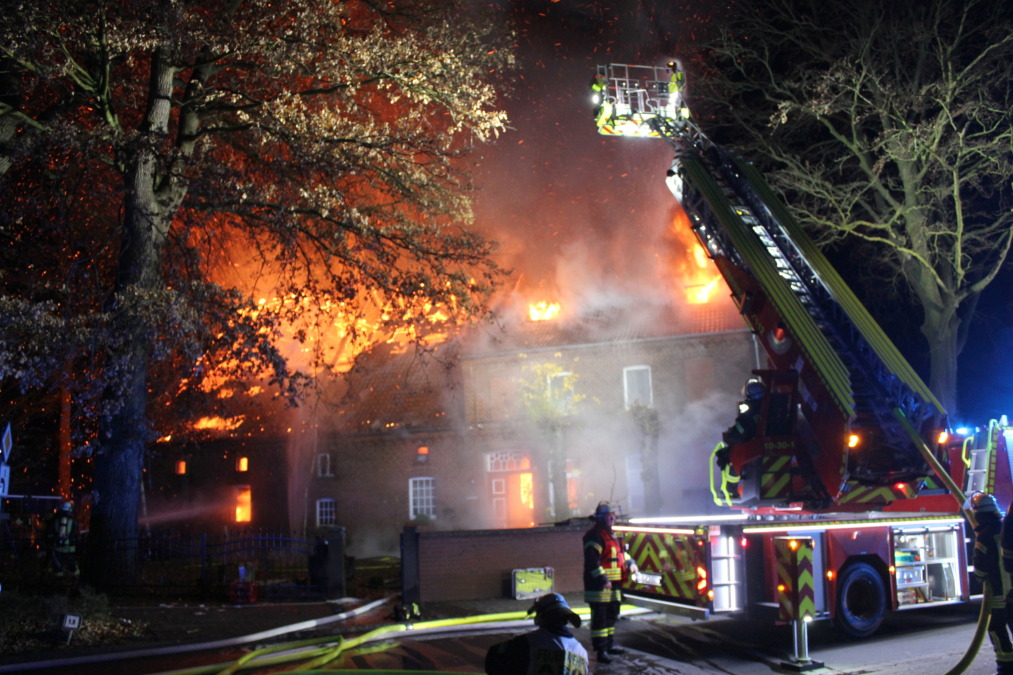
x=551, y=649
x=61, y=539
x=605, y=568
x=746, y=421
x=987, y=568
x=745, y=424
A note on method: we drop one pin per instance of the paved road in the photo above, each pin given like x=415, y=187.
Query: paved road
x=923, y=642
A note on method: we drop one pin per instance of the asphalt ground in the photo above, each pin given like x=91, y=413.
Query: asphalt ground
x=189, y=636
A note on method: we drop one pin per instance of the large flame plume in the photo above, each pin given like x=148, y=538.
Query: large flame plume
x=697, y=273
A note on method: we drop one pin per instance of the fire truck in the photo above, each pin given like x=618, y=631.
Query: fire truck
x=850, y=451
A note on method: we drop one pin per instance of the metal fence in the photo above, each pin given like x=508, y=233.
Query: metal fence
x=187, y=564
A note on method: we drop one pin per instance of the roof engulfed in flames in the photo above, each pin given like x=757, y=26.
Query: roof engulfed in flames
x=698, y=274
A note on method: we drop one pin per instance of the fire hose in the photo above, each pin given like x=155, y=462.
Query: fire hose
x=314, y=653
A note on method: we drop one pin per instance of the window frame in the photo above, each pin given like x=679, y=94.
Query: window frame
x=324, y=465
x=325, y=501
x=627, y=371
x=421, y=497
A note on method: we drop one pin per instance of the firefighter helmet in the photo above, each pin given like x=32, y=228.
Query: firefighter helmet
x=66, y=507
x=983, y=502
x=603, y=509
x=552, y=611
x=753, y=389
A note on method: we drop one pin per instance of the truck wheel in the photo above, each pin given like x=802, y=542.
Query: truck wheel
x=861, y=600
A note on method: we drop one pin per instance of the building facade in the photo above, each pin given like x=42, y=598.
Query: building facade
x=533, y=427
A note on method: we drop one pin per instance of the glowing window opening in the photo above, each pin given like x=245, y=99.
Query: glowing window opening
x=244, y=503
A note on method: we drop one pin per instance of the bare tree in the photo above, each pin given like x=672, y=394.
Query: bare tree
x=886, y=123
x=147, y=144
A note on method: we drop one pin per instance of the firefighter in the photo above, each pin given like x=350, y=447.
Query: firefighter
x=988, y=569
x=746, y=421
x=676, y=108
x=604, y=111
x=551, y=649
x=605, y=568
x=61, y=537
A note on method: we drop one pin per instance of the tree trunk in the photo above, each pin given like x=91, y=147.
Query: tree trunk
x=557, y=470
x=123, y=434
x=113, y=540
x=63, y=478
x=941, y=331
x=649, y=472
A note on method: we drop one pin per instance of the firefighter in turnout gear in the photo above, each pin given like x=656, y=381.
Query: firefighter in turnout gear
x=552, y=649
x=61, y=539
x=604, y=110
x=745, y=422
x=605, y=568
x=676, y=106
x=987, y=568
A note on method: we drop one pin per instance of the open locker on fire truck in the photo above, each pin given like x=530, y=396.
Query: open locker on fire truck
x=850, y=448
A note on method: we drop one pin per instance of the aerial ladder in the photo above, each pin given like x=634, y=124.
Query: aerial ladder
x=845, y=422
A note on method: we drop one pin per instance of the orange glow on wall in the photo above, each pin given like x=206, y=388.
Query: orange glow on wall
x=244, y=503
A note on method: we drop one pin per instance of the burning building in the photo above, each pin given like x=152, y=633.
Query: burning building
x=534, y=422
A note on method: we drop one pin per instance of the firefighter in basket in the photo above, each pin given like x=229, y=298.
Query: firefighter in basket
x=745, y=424
x=606, y=566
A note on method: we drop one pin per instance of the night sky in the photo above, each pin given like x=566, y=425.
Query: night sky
x=584, y=219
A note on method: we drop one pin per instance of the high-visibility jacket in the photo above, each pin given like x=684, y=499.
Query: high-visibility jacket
x=604, y=560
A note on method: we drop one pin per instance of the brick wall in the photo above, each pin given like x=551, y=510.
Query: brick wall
x=477, y=564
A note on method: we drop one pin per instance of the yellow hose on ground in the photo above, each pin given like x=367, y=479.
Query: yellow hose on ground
x=329, y=651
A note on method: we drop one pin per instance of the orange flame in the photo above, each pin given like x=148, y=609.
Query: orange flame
x=219, y=423
x=697, y=272
x=543, y=311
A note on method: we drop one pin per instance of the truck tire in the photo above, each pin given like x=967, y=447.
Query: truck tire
x=861, y=600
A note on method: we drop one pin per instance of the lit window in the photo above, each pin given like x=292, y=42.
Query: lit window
x=507, y=460
x=243, y=464
x=637, y=386
x=181, y=468
x=421, y=498
x=326, y=512
x=244, y=503
x=324, y=465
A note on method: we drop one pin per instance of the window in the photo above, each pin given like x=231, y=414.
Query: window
x=507, y=460
x=244, y=503
x=421, y=498
x=243, y=464
x=326, y=512
x=561, y=392
x=637, y=386
x=324, y=465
